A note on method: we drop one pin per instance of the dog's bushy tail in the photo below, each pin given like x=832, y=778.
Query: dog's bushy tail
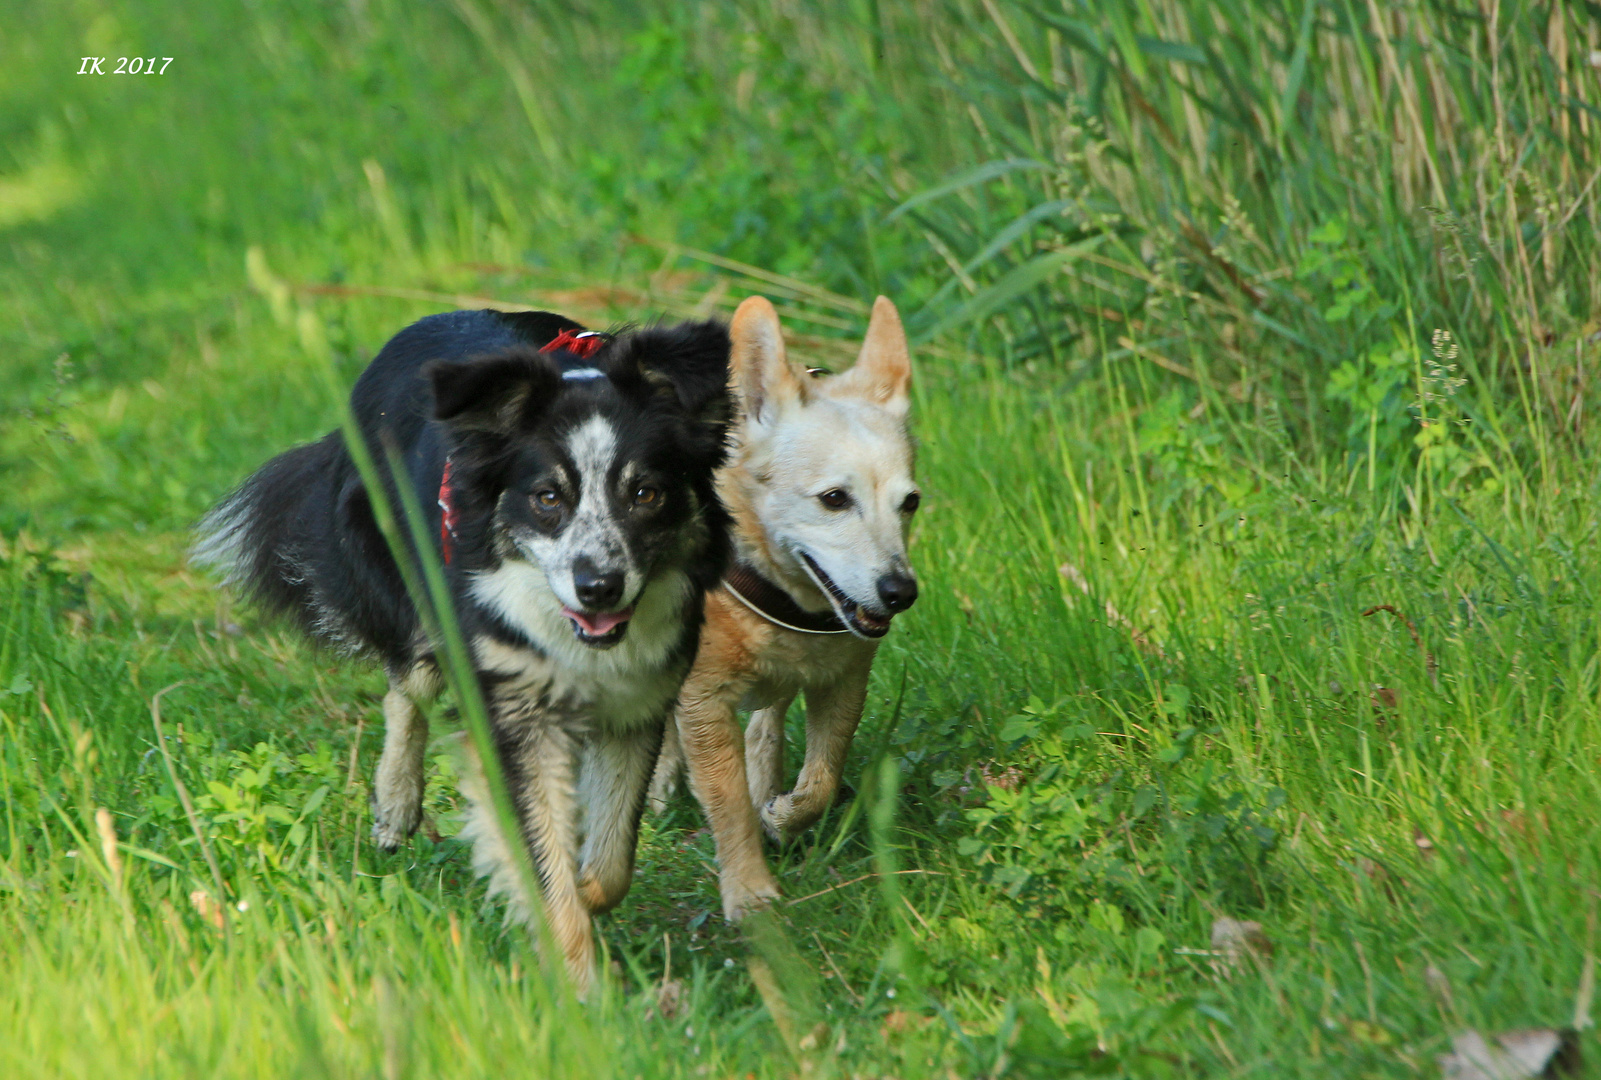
x=255, y=535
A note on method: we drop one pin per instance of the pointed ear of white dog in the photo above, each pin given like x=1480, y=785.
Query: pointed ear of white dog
x=762, y=375
x=883, y=371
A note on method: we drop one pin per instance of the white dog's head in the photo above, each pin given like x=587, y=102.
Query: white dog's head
x=824, y=467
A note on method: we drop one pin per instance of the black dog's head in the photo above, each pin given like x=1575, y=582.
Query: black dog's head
x=597, y=472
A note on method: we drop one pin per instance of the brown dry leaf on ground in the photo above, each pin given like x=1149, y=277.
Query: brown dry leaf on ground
x=815, y=1038
x=1380, y=878
x=899, y=1021
x=670, y=997
x=1233, y=940
x=208, y=908
x=1516, y=1055
x=1005, y=777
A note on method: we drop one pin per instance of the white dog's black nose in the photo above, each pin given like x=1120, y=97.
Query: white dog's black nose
x=598, y=590
x=898, y=591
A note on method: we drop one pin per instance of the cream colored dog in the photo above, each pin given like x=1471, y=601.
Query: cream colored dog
x=820, y=487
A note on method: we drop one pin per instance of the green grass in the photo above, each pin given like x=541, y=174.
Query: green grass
x=1175, y=271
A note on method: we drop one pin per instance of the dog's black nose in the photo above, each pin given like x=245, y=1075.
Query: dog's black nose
x=898, y=591
x=598, y=590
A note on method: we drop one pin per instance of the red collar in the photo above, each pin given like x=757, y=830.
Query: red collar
x=581, y=343
x=447, y=514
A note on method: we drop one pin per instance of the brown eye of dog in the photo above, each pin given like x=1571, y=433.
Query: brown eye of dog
x=647, y=496
x=836, y=498
x=911, y=504
x=547, y=499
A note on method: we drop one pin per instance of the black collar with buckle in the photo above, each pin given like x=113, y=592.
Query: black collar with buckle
x=777, y=606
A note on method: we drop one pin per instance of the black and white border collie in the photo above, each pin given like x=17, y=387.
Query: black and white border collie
x=568, y=478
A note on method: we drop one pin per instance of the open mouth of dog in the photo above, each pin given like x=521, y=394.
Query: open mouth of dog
x=865, y=623
x=599, y=629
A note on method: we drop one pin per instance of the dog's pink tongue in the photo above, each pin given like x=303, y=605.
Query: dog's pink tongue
x=601, y=622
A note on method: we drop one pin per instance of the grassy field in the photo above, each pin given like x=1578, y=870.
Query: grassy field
x=1259, y=548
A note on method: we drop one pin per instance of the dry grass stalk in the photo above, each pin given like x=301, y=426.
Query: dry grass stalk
x=108, y=847
x=1114, y=617
x=1417, y=639
x=189, y=812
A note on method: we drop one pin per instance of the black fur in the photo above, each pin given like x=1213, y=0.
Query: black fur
x=562, y=469
x=300, y=535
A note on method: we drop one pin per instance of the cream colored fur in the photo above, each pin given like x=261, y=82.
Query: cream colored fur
x=797, y=437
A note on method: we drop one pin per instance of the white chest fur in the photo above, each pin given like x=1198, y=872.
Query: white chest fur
x=629, y=684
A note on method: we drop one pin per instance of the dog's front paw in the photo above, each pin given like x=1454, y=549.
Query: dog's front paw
x=785, y=817
x=393, y=825
x=663, y=786
x=600, y=893
x=778, y=816
x=741, y=899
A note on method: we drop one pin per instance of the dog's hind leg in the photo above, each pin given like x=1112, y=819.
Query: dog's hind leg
x=832, y=713
x=669, y=767
x=764, y=751
x=398, y=785
x=611, y=791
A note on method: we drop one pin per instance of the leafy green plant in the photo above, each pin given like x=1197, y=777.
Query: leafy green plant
x=1059, y=833
x=265, y=808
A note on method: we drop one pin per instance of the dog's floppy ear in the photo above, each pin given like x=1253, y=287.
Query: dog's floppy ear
x=495, y=394
x=685, y=367
x=763, y=376
x=883, y=369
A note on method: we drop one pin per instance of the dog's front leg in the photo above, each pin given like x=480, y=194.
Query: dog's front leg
x=832, y=712
x=544, y=792
x=612, y=781
x=398, y=784
x=709, y=728
x=540, y=759
x=764, y=751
